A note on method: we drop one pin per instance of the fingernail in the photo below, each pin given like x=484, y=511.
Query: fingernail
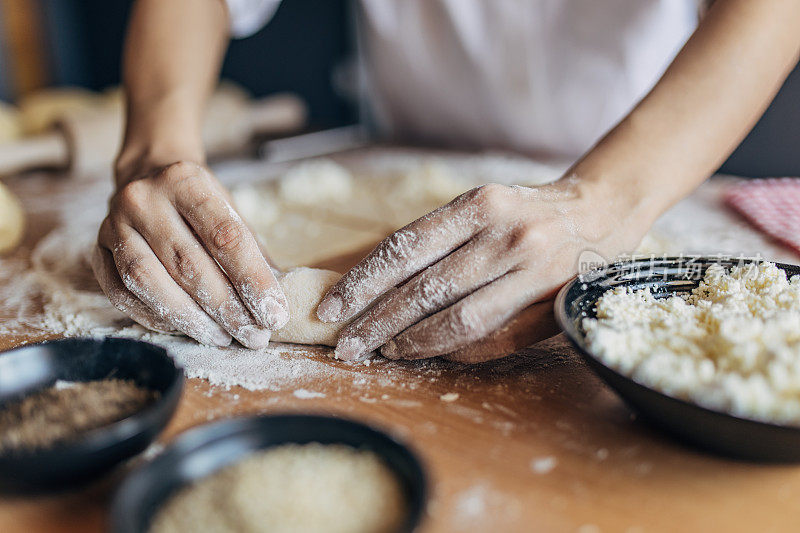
x=330, y=308
x=254, y=337
x=349, y=349
x=389, y=350
x=215, y=337
x=275, y=315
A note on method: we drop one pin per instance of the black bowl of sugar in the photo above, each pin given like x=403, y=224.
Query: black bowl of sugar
x=275, y=473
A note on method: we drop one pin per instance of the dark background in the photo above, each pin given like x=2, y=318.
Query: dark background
x=299, y=51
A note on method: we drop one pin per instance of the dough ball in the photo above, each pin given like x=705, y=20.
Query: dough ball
x=9, y=123
x=304, y=289
x=41, y=109
x=12, y=220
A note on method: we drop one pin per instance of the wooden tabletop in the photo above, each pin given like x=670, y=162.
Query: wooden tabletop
x=534, y=442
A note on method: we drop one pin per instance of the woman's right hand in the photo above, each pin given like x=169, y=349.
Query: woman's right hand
x=174, y=255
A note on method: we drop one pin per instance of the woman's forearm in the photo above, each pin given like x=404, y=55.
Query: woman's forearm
x=171, y=60
x=704, y=105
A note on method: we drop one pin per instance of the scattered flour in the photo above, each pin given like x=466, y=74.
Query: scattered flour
x=304, y=394
x=449, y=397
x=481, y=507
x=544, y=465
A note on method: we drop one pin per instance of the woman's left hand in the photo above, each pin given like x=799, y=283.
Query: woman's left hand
x=474, y=279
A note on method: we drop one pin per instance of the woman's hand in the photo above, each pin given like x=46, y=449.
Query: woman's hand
x=474, y=279
x=175, y=256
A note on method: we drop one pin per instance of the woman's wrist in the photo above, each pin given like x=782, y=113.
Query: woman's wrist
x=156, y=136
x=139, y=157
x=613, y=209
x=161, y=128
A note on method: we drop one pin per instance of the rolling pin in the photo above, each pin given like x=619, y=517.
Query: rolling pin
x=85, y=141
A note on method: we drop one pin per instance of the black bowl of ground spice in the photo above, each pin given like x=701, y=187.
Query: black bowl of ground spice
x=72, y=409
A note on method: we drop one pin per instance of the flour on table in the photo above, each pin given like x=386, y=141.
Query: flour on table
x=304, y=394
x=544, y=465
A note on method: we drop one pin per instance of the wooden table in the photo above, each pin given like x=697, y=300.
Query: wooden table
x=534, y=442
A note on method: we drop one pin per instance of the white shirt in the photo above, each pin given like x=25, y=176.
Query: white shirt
x=541, y=76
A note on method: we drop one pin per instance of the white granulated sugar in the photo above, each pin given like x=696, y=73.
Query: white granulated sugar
x=544, y=465
x=733, y=344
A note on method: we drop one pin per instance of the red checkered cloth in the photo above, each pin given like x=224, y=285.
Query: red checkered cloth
x=772, y=205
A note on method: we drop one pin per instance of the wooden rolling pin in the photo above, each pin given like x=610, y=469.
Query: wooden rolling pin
x=85, y=141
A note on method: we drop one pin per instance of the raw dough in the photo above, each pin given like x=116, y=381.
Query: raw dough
x=9, y=122
x=316, y=182
x=319, y=210
x=38, y=111
x=304, y=288
x=12, y=220
x=302, y=240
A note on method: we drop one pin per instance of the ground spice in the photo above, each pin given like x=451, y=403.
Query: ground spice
x=67, y=409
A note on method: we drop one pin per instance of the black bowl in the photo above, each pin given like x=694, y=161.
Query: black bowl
x=204, y=450
x=70, y=464
x=711, y=430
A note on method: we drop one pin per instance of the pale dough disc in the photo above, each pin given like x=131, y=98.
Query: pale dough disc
x=299, y=239
x=12, y=220
x=392, y=201
x=304, y=288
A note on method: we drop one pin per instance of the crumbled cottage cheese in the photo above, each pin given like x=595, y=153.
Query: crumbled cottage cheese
x=733, y=344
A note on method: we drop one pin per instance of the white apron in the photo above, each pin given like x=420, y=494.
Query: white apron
x=547, y=77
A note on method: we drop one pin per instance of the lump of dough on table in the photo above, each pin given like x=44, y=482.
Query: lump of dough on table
x=12, y=220
x=9, y=123
x=39, y=110
x=304, y=288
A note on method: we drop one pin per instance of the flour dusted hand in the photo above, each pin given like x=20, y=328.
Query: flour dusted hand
x=472, y=279
x=173, y=254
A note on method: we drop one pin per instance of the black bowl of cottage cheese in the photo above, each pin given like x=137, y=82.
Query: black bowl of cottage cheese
x=705, y=348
